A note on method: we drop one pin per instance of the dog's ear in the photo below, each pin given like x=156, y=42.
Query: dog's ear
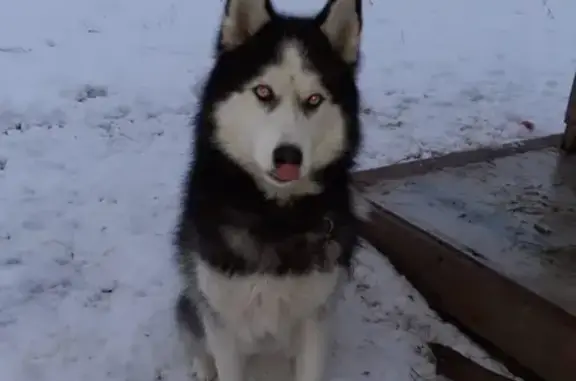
x=241, y=19
x=341, y=22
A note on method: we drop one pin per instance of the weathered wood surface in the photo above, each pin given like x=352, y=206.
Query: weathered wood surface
x=456, y=367
x=535, y=339
x=514, y=214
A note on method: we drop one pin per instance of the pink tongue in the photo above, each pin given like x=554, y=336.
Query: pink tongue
x=288, y=172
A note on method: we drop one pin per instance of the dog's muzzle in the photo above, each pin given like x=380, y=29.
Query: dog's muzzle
x=287, y=160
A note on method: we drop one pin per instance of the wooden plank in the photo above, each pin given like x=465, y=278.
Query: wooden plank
x=569, y=138
x=456, y=367
x=371, y=176
x=535, y=339
x=516, y=215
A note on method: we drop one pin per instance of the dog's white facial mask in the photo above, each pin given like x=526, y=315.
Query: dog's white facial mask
x=299, y=114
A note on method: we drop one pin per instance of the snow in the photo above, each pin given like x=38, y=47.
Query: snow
x=95, y=99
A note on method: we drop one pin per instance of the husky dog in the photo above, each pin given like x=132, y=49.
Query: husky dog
x=267, y=232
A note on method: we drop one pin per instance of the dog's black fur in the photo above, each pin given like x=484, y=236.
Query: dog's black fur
x=218, y=192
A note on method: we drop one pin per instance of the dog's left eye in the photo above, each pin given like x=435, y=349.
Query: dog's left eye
x=314, y=100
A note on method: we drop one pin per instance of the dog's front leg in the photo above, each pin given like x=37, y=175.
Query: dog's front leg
x=311, y=359
x=228, y=359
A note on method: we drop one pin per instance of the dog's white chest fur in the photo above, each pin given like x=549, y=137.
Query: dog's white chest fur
x=262, y=310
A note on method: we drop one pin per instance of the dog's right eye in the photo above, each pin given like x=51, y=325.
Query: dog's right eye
x=264, y=93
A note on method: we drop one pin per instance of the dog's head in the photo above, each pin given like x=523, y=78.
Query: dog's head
x=282, y=98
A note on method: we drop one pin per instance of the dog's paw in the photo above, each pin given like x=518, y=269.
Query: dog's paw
x=204, y=368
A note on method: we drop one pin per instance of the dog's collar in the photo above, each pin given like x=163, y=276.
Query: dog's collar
x=328, y=229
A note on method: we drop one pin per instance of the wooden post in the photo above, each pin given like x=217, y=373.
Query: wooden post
x=569, y=138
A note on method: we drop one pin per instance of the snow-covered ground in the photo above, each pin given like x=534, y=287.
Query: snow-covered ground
x=95, y=98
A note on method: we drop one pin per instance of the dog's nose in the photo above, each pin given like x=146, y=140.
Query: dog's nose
x=287, y=154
